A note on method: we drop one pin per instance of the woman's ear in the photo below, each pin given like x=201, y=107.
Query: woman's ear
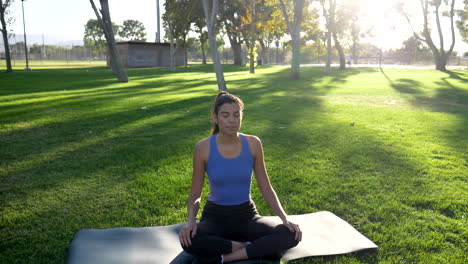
x=214, y=117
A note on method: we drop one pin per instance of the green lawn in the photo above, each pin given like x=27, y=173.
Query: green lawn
x=49, y=64
x=386, y=150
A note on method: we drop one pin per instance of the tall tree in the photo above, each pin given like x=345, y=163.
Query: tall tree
x=349, y=27
x=132, y=30
x=330, y=18
x=294, y=28
x=168, y=19
x=103, y=16
x=411, y=48
x=4, y=4
x=211, y=10
x=440, y=54
x=178, y=18
x=230, y=14
x=462, y=23
x=199, y=23
x=250, y=33
x=275, y=26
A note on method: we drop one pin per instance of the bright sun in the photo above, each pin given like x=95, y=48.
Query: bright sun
x=388, y=28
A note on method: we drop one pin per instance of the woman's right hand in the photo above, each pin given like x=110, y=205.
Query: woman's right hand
x=187, y=233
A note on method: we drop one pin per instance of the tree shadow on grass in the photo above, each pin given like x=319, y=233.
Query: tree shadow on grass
x=44, y=160
x=449, y=98
x=138, y=168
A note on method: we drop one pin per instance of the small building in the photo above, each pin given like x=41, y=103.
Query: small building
x=147, y=54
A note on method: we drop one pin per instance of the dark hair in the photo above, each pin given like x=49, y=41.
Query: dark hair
x=224, y=97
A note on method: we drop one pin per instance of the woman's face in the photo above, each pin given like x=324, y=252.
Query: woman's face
x=229, y=118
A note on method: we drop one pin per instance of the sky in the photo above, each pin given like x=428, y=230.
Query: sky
x=64, y=20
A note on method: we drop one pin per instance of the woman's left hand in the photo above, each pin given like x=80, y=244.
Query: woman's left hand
x=293, y=228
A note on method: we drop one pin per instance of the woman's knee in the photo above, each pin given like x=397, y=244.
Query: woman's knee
x=289, y=238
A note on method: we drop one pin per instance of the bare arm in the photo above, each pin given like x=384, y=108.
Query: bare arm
x=267, y=190
x=193, y=203
x=198, y=175
x=263, y=181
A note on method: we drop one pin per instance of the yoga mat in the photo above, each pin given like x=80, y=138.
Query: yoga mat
x=323, y=234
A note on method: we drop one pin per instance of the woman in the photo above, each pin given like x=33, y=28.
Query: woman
x=231, y=228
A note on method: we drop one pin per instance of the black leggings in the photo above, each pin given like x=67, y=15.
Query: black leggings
x=221, y=224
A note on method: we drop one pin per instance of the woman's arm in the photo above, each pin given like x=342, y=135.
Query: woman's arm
x=267, y=190
x=198, y=175
x=263, y=180
x=193, y=203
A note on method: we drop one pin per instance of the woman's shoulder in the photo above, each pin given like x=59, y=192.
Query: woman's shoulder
x=202, y=148
x=204, y=143
x=252, y=138
x=254, y=142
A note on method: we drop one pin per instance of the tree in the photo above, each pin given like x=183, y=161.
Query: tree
x=230, y=14
x=250, y=33
x=349, y=27
x=199, y=23
x=294, y=28
x=411, y=49
x=330, y=18
x=4, y=4
x=275, y=27
x=106, y=25
x=210, y=8
x=440, y=54
x=177, y=19
x=168, y=22
x=132, y=30
x=462, y=24
x=94, y=35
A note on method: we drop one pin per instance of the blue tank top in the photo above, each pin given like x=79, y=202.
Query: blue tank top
x=230, y=179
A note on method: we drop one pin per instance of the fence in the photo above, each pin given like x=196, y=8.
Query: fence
x=40, y=52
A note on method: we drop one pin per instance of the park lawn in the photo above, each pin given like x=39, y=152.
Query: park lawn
x=19, y=65
x=384, y=149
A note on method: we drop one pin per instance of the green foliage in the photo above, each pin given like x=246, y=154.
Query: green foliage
x=132, y=30
x=94, y=34
x=462, y=23
x=5, y=14
x=180, y=14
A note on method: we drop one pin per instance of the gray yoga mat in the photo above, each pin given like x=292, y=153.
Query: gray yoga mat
x=323, y=234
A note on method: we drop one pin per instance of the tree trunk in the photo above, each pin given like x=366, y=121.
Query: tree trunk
x=236, y=47
x=296, y=57
x=277, y=51
x=210, y=15
x=328, y=19
x=294, y=29
x=106, y=24
x=185, y=55
x=355, y=60
x=202, y=42
x=332, y=25
x=251, y=57
x=252, y=39
x=172, y=48
x=263, y=56
x=5, y=39
x=340, y=52
x=328, y=61
x=441, y=62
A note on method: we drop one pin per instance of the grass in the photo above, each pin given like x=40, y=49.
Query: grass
x=19, y=65
x=384, y=149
